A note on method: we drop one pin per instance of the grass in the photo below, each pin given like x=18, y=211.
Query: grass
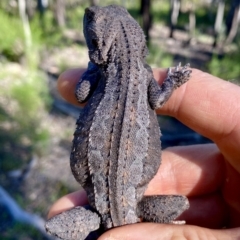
x=157, y=57
x=20, y=231
x=23, y=102
x=11, y=42
x=226, y=67
x=160, y=11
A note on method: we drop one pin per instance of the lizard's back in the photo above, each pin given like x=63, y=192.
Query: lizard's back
x=118, y=131
x=116, y=147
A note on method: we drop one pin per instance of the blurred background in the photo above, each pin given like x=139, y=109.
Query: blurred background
x=39, y=39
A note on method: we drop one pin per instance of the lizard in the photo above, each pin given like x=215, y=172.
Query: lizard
x=116, y=149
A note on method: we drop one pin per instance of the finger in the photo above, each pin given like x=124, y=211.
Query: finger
x=207, y=211
x=78, y=198
x=210, y=106
x=67, y=82
x=143, y=231
x=231, y=194
x=190, y=170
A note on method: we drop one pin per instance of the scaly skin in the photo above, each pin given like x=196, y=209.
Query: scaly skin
x=116, y=148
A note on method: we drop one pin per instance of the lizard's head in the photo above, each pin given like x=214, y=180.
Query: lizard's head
x=102, y=28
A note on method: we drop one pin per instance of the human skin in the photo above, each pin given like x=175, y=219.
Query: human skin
x=208, y=174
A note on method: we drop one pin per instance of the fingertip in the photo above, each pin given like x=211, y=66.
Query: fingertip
x=67, y=82
x=69, y=201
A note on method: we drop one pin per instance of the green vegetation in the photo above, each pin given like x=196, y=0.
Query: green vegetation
x=159, y=58
x=76, y=21
x=62, y=190
x=160, y=11
x=45, y=34
x=23, y=231
x=227, y=67
x=24, y=97
x=24, y=94
x=11, y=41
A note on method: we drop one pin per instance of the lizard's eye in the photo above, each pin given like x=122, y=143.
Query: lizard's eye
x=94, y=43
x=89, y=18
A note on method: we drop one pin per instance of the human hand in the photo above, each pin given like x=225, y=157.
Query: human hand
x=208, y=174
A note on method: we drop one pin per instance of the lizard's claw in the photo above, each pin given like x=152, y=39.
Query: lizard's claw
x=179, y=74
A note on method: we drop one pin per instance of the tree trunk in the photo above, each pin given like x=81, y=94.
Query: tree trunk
x=218, y=20
x=232, y=21
x=30, y=8
x=94, y=2
x=146, y=17
x=192, y=22
x=60, y=13
x=174, y=13
x=41, y=7
x=26, y=27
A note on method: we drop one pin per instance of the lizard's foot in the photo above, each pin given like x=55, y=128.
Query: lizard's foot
x=162, y=208
x=179, y=75
x=74, y=224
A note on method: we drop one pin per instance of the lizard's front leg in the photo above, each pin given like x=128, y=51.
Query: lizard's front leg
x=88, y=83
x=158, y=95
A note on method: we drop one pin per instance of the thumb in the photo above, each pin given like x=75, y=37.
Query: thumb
x=145, y=231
